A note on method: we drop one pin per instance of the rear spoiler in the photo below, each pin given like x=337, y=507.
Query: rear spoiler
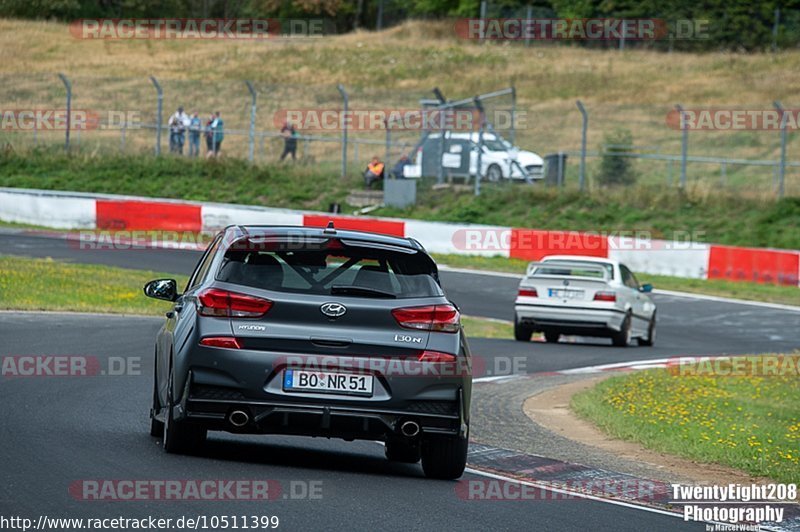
x=568, y=264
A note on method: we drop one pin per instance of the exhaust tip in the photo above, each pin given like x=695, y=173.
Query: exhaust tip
x=409, y=429
x=239, y=418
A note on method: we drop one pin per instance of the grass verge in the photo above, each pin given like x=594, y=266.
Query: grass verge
x=769, y=293
x=748, y=421
x=46, y=284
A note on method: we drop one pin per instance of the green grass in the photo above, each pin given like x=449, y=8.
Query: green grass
x=45, y=284
x=748, y=422
x=487, y=328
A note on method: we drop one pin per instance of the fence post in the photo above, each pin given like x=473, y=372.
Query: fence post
x=343, y=122
x=584, y=128
x=440, y=149
x=68, y=85
x=528, y=15
x=513, y=132
x=684, y=144
x=479, y=105
x=159, y=113
x=782, y=167
x=253, y=107
x=388, y=144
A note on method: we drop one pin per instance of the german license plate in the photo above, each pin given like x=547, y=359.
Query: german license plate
x=296, y=380
x=565, y=293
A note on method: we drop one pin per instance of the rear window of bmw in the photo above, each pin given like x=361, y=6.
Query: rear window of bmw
x=336, y=268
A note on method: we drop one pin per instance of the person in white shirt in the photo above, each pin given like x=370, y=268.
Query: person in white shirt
x=178, y=123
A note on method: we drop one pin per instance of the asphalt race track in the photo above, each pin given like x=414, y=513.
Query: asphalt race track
x=58, y=431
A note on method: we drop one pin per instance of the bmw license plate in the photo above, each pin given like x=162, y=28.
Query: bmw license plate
x=565, y=293
x=296, y=380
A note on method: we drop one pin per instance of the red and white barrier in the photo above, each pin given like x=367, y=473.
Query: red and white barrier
x=68, y=210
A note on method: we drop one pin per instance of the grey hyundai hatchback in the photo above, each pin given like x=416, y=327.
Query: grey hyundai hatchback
x=318, y=332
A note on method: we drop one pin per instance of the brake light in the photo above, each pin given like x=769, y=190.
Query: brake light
x=527, y=292
x=227, y=342
x=605, y=296
x=225, y=304
x=438, y=318
x=436, y=357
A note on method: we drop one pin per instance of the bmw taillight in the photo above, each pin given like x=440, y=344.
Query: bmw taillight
x=224, y=304
x=527, y=292
x=227, y=342
x=437, y=318
x=605, y=296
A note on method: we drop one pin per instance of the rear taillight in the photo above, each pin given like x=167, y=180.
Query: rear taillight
x=605, y=296
x=436, y=357
x=438, y=318
x=527, y=292
x=227, y=342
x=225, y=304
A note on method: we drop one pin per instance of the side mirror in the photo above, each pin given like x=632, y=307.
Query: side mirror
x=647, y=287
x=166, y=289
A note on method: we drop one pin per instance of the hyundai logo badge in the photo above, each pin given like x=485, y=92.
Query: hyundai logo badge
x=333, y=310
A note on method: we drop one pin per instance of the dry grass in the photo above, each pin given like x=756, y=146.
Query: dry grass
x=633, y=89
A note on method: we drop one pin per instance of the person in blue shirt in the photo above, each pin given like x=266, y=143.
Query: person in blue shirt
x=217, y=135
x=195, y=126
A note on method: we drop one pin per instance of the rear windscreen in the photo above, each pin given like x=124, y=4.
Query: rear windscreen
x=347, y=271
x=577, y=269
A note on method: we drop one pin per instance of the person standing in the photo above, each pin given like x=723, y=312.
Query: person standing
x=177, y=123
x=289, y=135
x=195, y=126
x=217, y=134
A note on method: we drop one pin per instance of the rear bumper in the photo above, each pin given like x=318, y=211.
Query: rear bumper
x=569, y=319
x=327, y=420
x=221, y=381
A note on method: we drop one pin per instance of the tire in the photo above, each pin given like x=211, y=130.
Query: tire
x=522, y=333
x=156, y=426
x=400, y=451
x=552, y=336
x=623, y=337
x=444, y=457
x=180, y=437
x=650, y=339
x=494, y=173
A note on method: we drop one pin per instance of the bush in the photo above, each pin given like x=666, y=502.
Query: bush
x=616, y=170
